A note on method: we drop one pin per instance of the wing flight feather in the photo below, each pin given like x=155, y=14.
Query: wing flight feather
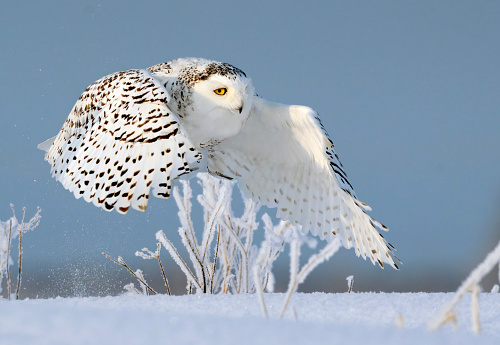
x=119, y=141
x=284, y=158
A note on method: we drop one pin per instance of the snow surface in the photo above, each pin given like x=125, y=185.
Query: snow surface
x=355, y=318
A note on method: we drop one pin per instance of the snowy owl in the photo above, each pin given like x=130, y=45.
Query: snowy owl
x=142, y=129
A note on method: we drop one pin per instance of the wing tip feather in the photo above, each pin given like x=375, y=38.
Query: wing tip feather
x=45, y=146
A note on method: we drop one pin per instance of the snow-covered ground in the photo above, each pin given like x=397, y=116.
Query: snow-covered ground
x=318, y=318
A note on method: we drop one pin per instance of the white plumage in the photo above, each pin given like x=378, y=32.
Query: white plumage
x=138, y=130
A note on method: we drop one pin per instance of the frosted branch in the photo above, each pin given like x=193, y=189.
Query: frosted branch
x=160, y=236
x=139, y=277
x=259, y=290
x=234, y=263
x=146, y=254
x=473, y=280
x=312, y=263
x=9, y=230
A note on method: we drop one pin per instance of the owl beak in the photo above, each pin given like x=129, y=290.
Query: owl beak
x=240, y=108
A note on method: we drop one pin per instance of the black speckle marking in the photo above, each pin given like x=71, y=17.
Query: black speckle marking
x=194, y=74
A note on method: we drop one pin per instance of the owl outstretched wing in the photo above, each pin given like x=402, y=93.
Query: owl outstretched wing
x=119, y=141
x=284, y=158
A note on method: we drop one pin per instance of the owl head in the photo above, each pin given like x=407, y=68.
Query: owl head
x=212, y=99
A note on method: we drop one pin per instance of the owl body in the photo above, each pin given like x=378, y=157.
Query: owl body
x=138, y=131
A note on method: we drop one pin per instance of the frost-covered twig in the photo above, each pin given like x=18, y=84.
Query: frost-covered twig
x=312, y=263
x=476, y=322
x=160, y=236
x=294, y=271
x=213, y=200
x=184, y=205
x=227, y=265
x=142, y=282
x=243, y=266
x=234, y=264
x=8, y=231
x=207, y=234
x=131, y=290
x=8, y=255
x=259, y=289
x=193, y=251
x=215, y=261
x=350, y=283
x=138, y=275
x=146, y=254
x=472, y=282
x=271, y=248
x=20, y=253
x=19, y=263
x=165, y=280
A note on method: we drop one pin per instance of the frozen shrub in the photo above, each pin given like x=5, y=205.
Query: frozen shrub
x=221, y=263
x=227, y=259
x=10, y=230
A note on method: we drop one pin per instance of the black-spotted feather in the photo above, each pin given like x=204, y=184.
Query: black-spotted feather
x=120, y=141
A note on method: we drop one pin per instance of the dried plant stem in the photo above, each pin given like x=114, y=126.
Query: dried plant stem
x=8, y=254
x=215, y=261
x=194, y=254
x=491, y=260
x=9, y=235
x=123, y=264
x=204, y=278
x=267, y=281
x=244, y=255
x=164, y=275
x=20, y=262
x=225, y=263
x=314, y=261
x=476, y=322
x=138, y=273
x=294, y=267
x=229, y=268
x=183, y=204
x=206, y=241
x=160, y=236
x=259, y=290
x=350, y=283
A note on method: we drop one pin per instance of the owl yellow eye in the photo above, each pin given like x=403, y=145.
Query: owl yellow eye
x=222, y=91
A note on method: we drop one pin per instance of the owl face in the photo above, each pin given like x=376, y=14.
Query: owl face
x=220, y=106
x=222, y=94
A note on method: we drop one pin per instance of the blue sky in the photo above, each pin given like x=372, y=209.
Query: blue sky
x=408, y=90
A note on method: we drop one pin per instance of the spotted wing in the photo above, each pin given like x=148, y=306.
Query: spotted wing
x=119, y=141
x=284, y=158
